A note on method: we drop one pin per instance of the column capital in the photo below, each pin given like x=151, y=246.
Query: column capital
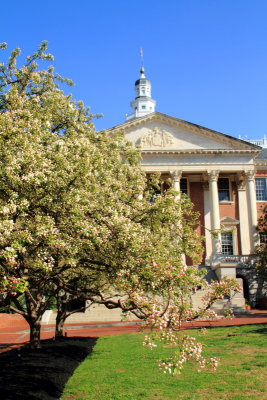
x=241, y=181
x=250, y=174
x=213, y=175
x=176, y=175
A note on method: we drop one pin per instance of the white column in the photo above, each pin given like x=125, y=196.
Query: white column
x=243, y=214
x=215, y=211
x=176, y=177
x=207, y=223
x=252, y=209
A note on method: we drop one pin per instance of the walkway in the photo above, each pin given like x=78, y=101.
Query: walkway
x=14, y=330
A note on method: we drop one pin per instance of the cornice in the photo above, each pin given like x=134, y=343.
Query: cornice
x=201, y=151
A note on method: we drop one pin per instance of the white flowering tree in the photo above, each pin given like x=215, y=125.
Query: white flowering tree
x=72, y=220
x=61, y=185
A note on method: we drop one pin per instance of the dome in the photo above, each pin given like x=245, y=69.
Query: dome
x=142, y=80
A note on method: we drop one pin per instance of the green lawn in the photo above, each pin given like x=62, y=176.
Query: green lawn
x=120, y=368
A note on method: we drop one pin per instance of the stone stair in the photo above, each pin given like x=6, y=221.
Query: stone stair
x=237, y=302
x=99, y=313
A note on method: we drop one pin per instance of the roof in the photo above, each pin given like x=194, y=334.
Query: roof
x=142, y=81
x=262, y=155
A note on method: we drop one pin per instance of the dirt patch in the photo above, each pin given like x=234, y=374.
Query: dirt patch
x=41, y=374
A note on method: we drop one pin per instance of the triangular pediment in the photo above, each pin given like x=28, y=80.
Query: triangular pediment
x=229, y=221
x=160, y=132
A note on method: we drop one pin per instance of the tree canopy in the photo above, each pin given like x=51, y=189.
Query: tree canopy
x=75, y=210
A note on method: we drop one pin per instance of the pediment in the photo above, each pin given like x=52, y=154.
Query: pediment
x=160, y=132
x=229, y=221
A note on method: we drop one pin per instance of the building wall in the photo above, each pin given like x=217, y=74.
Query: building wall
x=227, y=209
x=196, y=193
x=230, y=209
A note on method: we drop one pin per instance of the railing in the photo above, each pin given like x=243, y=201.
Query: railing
x=237, y=259
x=258, y=142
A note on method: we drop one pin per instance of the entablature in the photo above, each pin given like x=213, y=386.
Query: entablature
x=197, y=170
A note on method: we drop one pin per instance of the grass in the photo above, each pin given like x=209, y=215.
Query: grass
x=120, y=368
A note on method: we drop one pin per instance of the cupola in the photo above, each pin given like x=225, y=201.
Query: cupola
x=143, y=104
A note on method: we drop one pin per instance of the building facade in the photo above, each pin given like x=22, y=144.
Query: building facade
x=225, y=178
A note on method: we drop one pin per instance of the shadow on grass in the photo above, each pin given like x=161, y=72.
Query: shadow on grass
x=260, y=330
x=41, y=374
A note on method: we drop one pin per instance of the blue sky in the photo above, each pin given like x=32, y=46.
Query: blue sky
x=206, y=59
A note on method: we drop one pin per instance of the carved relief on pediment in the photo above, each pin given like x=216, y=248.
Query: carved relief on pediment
x=156, y=138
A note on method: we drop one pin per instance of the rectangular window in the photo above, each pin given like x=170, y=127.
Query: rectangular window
x=261, y=189
x=227, y=243
x=183, y=186
x=223, y=189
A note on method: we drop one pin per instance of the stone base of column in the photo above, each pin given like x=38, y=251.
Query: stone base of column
x=228, y=270
x=225, y=269
x=221, y=306
x=238, y=300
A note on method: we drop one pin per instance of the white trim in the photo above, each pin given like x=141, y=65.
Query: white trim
x=198, y=151
x=234, y=238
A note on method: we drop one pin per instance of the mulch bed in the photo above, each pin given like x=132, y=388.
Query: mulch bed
x=41, y=374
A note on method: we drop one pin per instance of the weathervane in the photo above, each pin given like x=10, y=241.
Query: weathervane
x=142, y=57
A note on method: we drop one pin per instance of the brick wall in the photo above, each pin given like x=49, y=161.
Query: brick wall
x=197, y=197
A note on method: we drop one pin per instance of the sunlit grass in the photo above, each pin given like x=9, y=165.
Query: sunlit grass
x=120, y=368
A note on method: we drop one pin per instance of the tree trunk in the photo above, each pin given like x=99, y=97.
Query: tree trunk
x=33, y=315
x=62, y=299
x=61, y=317
x=35, y=333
